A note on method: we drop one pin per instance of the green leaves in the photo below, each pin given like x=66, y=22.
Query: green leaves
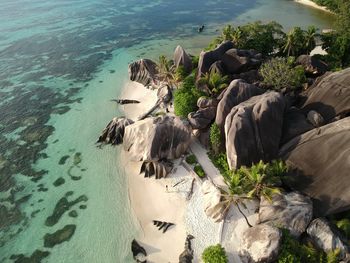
x=215, y=137
x=214, y=254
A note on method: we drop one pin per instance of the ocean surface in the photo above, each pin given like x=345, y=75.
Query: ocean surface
x=60, y=64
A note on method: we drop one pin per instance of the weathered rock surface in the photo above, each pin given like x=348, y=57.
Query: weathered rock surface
x=204, y=102
x=237, y=92
x=322, y=160
x=250, y=76
x=253, y=129
x=315, y=118
x=295, y=123
x=217, y=67
x=164, y=94
x=213, y=207
x=260, y=243
x=143, y=71
x=138, y=252
x=312, y=65
x=155, y=139
x=187, y=255
x=326, y=237
x=61, y=235
x=181, y=58
x=114, y=131
x=160, y=169
x=202, y=118
x=206, y=59
x=292, y=211
x=330, y=95
x=238, y=60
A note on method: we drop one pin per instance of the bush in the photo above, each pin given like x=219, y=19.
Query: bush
x=278, y=74
x=191, y=159
x=220, y=162
x=180, y=73
x=215, y=137
x=214, y=254
x=185, y=98
x=199, y=170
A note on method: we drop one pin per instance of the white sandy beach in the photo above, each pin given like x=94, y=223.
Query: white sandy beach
x=313, y=4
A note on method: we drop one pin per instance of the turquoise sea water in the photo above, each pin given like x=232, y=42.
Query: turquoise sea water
x=60, y=63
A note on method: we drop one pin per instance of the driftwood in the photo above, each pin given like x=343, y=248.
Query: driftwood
x=162, y=225
x=143, y=116
x=125, y=101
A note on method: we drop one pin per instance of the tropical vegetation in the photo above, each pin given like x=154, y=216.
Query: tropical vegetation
x=214, y=254
x=215, y=138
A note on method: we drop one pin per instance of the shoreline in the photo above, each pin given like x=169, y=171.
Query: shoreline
x=312, y=4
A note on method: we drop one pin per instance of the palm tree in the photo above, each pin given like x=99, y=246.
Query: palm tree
x=166, y=71
x=310, y=41
x=294, y=42
x=214, y=82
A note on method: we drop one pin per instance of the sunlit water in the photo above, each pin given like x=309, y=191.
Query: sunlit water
x=60, y=64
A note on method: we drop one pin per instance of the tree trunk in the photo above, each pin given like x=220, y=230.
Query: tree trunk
x=246, y=219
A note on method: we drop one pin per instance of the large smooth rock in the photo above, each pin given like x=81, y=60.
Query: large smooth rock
x=217, y=67
x=204, y=102
x=315, y=118
x=114, y=131
x=326, y=237
x=260, y=243
x=164, y=94
x=206, y=59
x=213, y=207
x=202, y=118
x=292, y=211
x=329, y=95
x=237, y=92
x=138, y=252
x=182, y=59
x=312, y=65
x=187, y=255
x=154, y=139
x=253, y=130
x=143, y=71
x=321, y=158
x=238, y=60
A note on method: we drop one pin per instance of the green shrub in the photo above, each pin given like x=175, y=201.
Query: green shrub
x=199, y=170
x=186, y=96
x=180, y=73
x=220, y=162
x=214, y=254
x=215, y=138
x=278, y=74
x=191, y=159
x=291, y=251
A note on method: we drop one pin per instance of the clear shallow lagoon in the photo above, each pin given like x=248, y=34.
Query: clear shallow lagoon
x=60, y=63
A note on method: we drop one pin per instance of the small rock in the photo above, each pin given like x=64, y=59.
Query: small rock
x=326, y=237
x=260, y=243
x=315, y=118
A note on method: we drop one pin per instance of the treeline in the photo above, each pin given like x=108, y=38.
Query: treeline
x=330, y=4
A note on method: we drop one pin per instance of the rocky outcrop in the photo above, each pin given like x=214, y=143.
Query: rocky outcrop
x=202, y=118
x=217, y=67
x=204, y=102
x=157, y=138
x=251, y=76
x=187, y=255
x=315, y=118
x=239, y=60
x=292, y=211
x=312, y=65
x=114, y=132
x=253, y=130
x=213, y=207
x=164, y=94
x=330, y=95
x=321, y=161
x=326, y=237
x=160, y=169
x=260, y=243
x=182, y=59
x=206, y=59
x=138, y=252
x=237, y=92
x=143, y=71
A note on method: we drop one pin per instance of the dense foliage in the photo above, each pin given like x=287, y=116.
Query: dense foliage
x=213, y=82
x=186, y=96
x=279, y=73
x=264, y=38
x=292, y=251
x=199, y=170
x=191, y=159
x=298, y=41
x=215, y=138
x=330, y=4
x=214, y=254
x=220, y=162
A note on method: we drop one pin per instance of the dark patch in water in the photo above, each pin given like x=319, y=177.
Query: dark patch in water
x=33, y=214
x=61, y=235
x=40, y=200
x=111, y=71
x=62, y=206
x=36, y=257
x=82, y=206
x=73, y=213
x=63, y=160
x=59, y=181
x=76, y=178
x=69, y=193
x=56, y=141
